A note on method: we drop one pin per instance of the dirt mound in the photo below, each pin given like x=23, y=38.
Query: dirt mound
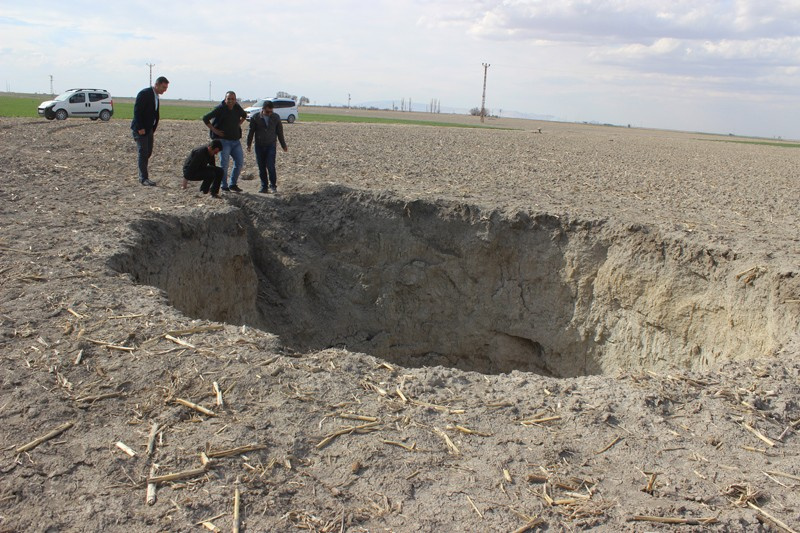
x=428, y=329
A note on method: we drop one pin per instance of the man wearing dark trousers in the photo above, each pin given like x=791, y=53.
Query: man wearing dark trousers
x=144, y=124
x=267, y=129
x=201, y=165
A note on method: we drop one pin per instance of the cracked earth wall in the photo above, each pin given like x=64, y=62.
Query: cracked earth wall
x=426, y=283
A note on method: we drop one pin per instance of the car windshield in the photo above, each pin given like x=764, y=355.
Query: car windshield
x=62, y=97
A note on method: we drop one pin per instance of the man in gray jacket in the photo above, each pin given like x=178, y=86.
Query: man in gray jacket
x=267, y=129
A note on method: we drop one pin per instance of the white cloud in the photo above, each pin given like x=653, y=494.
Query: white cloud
x=614, y=61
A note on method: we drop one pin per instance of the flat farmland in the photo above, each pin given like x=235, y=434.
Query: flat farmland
x=534, y=325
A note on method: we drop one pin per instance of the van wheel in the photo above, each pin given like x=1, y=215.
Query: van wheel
x=61, y=114
x=105, y=115
x=290, y=120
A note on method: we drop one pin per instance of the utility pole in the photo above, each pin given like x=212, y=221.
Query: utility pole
x=348, y=100
x=51, y=84
x=483, y=100
x=151, y=65
x=209, y=92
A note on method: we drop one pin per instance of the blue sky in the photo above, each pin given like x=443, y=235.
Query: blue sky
x=716, y=66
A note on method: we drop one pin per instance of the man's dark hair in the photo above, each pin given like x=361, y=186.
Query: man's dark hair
x=216, y=144
x=162, y=79
x=269, y=104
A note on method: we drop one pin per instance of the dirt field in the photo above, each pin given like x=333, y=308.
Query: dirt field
x=428, y=329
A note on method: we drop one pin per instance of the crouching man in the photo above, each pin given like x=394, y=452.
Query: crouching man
x=201, y=165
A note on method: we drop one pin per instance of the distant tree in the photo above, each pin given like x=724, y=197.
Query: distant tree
x=303, y=101
x=284, y=94
x=475, y=111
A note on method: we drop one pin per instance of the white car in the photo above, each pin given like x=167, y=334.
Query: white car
x=286, y=108
x=89, y=103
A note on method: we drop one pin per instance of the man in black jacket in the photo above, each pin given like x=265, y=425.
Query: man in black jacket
x=201, y=165
x=267, y=129
x=144, y=124
x=225, y=123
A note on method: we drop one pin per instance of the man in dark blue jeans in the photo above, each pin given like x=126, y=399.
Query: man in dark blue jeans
x=267, y=129
x=225, y=123
x=144, y=124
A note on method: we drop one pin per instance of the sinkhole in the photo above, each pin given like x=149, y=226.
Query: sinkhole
x=443, y=283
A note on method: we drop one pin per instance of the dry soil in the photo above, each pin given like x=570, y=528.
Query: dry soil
x=583, y=327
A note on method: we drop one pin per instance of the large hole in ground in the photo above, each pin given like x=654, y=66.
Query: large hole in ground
x=437, y=283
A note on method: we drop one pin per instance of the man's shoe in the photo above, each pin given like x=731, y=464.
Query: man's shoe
x=235, y=188
x=225, y=189
x=147, y=182
x=215, y=195
x=274, y=189
x=263, y=190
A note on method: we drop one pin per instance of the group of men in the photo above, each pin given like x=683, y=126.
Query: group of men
x=225, y=125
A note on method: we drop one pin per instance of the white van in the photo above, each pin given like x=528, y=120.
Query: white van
x=89, y=103
x=286, y=108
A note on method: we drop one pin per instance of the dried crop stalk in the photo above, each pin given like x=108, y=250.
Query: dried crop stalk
x=453, y=448
x=192, y=405
x=150, y=498
x=55, y=433
x=364, y=428
x=235, y=451
x=194, y=472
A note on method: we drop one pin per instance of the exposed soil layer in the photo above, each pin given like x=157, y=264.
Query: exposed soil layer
x=422, y=283
x=428, y=329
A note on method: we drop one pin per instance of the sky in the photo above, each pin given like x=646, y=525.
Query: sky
x=717, y=66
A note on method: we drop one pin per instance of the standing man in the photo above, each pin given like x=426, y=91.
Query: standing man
x=225, y=123
x=266, y=127
x=201, y=165
x=144, y=124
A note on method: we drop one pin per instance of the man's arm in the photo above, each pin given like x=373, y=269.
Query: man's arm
x=191, y=165
x=251, y=133
x=156, y=111
x=138, y=112
x=279, y=131
x=207, y=120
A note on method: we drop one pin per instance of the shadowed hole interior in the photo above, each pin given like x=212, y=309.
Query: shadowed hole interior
x=438, y=283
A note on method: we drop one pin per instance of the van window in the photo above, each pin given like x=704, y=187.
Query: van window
x=283, y=104
x=96, y=97
x=77, y=98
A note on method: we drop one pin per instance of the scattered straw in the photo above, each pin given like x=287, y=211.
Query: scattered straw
x=364, y=428
x=55, y=433
x=540, y=420
x=773, y=519
x=758, y=434
x=675, y=521
x=613, y=442
x=452, y=447
x=474, y=507
x=192, y=405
